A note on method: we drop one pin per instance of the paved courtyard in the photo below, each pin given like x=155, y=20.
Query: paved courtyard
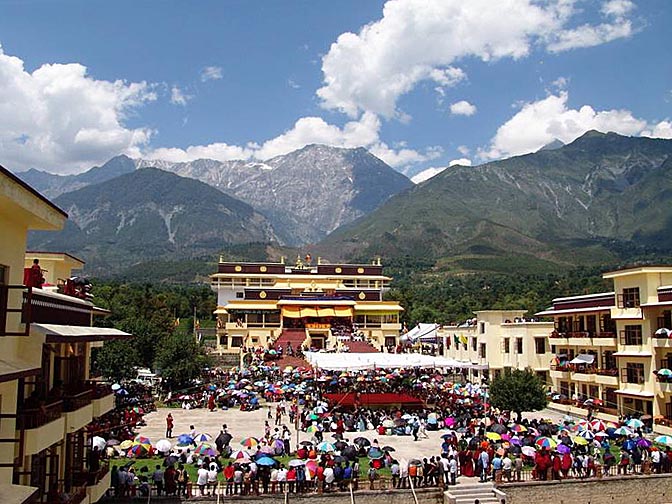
x=242, y=424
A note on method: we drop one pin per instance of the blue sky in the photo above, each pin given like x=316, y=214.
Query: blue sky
x=421, y=83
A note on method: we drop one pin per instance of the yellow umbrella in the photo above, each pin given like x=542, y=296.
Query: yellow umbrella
x=493, y=436
x=125, y=445
x=579, y=440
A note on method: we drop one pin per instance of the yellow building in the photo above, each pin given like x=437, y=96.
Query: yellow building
x=318, y=306
x=496, y=340
x=610, y=346
x=46, y=337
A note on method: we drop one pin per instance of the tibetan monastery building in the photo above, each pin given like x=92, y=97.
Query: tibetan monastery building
x=312, y=305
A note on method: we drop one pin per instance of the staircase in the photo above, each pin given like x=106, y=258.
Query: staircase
x=467, y=493
x=361, y=347
x=294, y=336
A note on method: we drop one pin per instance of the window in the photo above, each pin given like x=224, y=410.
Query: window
x=633, y=373
x=481, y=326
x=591, y=324
x=240, y=295
x=564, y=325
x=607, y=325
x=540, y=345
x=4, y=274
x=519, y=345
x=632, y=335
x=481, y=351
x=554, y=349
x=474, y=344
x=629, y=298
x=608, y=360
x=507, y=345
x=236, y=341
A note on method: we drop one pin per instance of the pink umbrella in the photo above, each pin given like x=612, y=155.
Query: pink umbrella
x=449, y=421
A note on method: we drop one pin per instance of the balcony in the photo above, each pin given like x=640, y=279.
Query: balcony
x=15, y=310
x=102, y=399
x=560, y=372
x=661, y=341
x=590, y=338
x=42, y=426
x=584, y=375
x=78, y=409
x=607, y=377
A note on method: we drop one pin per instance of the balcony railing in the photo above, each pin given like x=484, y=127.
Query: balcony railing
x=99, y=390
x=32, y=418
x=72, y=402
x=84, y=477
x=21, y=310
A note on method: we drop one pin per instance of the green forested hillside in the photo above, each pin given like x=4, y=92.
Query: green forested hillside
x=602, y=199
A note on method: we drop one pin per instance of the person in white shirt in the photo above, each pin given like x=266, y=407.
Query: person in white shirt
x=282, y=478
x=202, y=480
x=328, y=478
x=506, y=467
x=212, y=478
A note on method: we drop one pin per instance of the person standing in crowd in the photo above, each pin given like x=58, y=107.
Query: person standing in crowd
x=169, y=426
x=157, y=478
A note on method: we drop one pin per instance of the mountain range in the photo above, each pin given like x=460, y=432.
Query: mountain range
x=600, y=199
x=305, y=194
x=150, y=214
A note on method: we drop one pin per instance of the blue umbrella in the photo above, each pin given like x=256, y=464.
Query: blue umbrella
x=266, y=461
x=629, y=444
x=185, y=440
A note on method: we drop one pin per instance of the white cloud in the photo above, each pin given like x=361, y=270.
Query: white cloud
x=211, y=73
x=431, y=172
x=617, y=8
x=417, y=40
x=219, y=151
x=178, y=97
x=462, y=107
x=661, y=130
x=307, y=130
x=464, y=150
x=427, y=174
x=460, y=162
x=61, y=119
x=539, y=123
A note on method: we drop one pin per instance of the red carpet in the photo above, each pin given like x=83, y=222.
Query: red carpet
x=374, y=400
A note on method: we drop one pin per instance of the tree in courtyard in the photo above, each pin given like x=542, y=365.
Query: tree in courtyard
x=180, y=359
x=518, y=391
x=116, y=360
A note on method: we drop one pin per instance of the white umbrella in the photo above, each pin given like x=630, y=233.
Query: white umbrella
x=99, y=442
x=116, y=387
x=163, y=445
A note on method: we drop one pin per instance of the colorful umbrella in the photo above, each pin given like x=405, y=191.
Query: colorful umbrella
x=598, y=425
x=325, y=447
x=622, y=431
x=664, y=372
x=240, y=455
x=250, y=442
x=635, y=423
x=203, y=438
x=586, y=434
x=184, y=440
x=141, y=440
x=666, y=440
x=266, y=461
x=545, y=442
x=312, y=428
x=518, y=428
x=206, y=450
x=528, y=450
x=139, y=449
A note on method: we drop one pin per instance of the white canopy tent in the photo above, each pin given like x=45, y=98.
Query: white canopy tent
x=583, y=358
x=425, y=333
x=359, y=361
